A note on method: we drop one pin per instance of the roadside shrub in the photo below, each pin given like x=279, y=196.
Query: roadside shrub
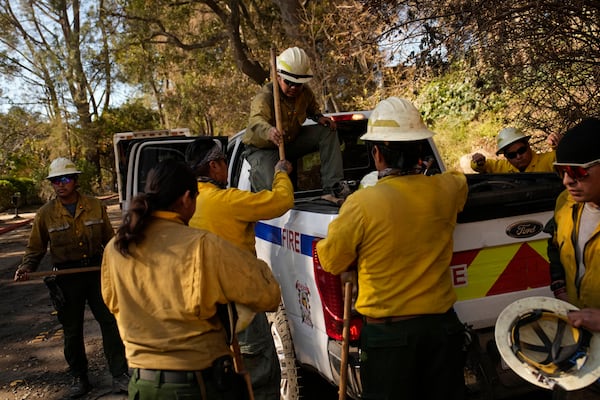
x=6, y=191
x=26, y=186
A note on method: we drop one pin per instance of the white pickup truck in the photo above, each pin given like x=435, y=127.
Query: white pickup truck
x=499, y=254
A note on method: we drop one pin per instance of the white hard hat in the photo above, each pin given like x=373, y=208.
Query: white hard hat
x=535, y=339
x=293, y=64
x=62, y=166
x=396, y=120
x=508, y=136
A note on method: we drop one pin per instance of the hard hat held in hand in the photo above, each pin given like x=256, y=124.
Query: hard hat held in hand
x=293, y=64
x=535, y=339
x=396, y=120
x=508, y=136
x=62, y=166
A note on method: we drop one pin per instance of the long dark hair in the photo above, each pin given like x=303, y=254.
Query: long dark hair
x=166, y=182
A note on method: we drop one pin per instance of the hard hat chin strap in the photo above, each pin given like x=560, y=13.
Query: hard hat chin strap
x=559, y=358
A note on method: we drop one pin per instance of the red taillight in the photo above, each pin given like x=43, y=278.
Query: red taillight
x=348, y=117
x=332, y=298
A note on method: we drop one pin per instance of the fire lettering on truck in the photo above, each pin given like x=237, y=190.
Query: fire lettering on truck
x=459, y=275
x=286, y=238
x=502, y=269
x=291, y=239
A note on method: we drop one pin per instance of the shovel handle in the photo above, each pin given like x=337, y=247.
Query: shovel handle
x=69, y=271
x=277, y=105
x=345, y=340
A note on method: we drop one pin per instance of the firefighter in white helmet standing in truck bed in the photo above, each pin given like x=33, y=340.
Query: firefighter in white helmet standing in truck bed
x=297, y=103
x=399, y=234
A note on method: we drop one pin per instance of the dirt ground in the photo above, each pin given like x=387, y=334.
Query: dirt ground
x=31, y=341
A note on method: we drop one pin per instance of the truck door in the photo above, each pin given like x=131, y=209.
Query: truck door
x=145, y=154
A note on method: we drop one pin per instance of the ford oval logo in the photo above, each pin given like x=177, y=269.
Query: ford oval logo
x=524, y=229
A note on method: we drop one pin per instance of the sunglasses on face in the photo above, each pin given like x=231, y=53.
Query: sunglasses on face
x=292, y=84
x=513, y=154
x=61, y=179
x=575, y=172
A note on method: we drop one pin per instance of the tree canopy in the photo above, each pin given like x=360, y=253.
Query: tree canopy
x=198, y=63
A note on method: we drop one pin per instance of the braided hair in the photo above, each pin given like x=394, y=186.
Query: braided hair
x=166, y=182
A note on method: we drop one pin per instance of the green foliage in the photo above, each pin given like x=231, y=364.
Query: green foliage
x=457, y=95
x=7, y=189
x=26, y=187
x=21, y=142
x=463, y=112
x=131, y=116
x=88, y=175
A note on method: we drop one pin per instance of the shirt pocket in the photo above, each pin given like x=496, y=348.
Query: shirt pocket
x=60, y=235
x=94, y=229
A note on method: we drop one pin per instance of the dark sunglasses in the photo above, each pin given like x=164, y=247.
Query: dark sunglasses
x=61, y=179
x=292, y=84
x=513, y=154
x=575, y=172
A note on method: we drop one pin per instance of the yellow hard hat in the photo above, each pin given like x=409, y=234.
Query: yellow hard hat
x=396, y=120
x=62, y=166
x=293, y=64
x=508, y=136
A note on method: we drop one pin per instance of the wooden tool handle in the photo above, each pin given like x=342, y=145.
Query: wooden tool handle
x=345, y=340
x=277, y=104
x=69, y=271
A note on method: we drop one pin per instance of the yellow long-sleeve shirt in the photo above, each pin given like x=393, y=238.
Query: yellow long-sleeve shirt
x=540, y=162
x=164, y=295
x=567, y=215
x=233, y=213
x=399, y=232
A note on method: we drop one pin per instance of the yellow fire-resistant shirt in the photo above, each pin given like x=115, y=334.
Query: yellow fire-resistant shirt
x=399, y=232
x=540, y=162
x=293, y=114
x=233, y=213
x=568, y=218
x=164, y=295
x=71, y=238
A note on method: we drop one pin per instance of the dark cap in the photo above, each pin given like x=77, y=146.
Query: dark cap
x=581, y=144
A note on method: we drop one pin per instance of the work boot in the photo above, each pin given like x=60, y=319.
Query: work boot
x=338, y=193
x=79, y=387
x=341, y=190
x=120, y=383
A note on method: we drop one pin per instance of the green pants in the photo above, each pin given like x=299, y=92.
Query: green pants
x=156, y=389
x=78, y=290
x=311, y=138
x=420, y=358
x=260, y=358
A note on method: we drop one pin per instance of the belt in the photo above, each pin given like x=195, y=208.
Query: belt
x=171, y=376
x=387, y=320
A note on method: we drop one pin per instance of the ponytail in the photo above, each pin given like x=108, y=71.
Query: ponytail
x=166, y=182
